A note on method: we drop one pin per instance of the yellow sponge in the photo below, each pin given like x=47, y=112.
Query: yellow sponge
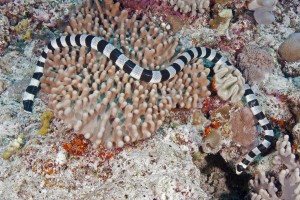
x=46, y=118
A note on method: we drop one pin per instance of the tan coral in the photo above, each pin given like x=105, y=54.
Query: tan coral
x=96, y=98
x=190, y=6
x=229, y=83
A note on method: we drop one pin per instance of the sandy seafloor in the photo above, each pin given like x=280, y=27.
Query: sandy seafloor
x=169, y=165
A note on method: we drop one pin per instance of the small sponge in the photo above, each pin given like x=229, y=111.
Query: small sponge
x=46, y=118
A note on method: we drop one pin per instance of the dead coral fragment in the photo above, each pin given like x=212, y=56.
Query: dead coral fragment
x=3, y=85
x=212, y=142
x=221, y=18
x=13, y=147
x=198, y=118
x=46, y=119
x=176, y=22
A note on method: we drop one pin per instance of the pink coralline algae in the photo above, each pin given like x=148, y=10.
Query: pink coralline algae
x=137, y=5
x=243, y=127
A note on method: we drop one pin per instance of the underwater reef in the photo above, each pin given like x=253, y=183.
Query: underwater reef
x=185, y=125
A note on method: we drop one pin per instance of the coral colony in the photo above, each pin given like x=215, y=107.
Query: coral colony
x=123, y=90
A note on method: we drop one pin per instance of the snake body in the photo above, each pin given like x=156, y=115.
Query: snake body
x=156, y=76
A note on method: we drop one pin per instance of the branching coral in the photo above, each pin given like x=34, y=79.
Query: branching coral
x=265, y=187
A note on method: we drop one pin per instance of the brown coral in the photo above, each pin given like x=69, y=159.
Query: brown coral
x=95, y=98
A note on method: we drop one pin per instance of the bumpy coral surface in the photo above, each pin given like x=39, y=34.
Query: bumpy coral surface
x=243, y=127
x=229, y=83
x=263, y=10
x=255, y=63
x=190, y=6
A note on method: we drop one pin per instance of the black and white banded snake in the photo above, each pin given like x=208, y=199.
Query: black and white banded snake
x=149, y=76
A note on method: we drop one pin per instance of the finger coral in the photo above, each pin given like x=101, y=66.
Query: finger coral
x=107, y=105
x=255, y=63
x=190, y=6
x=266, y=187
x=99, y=104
